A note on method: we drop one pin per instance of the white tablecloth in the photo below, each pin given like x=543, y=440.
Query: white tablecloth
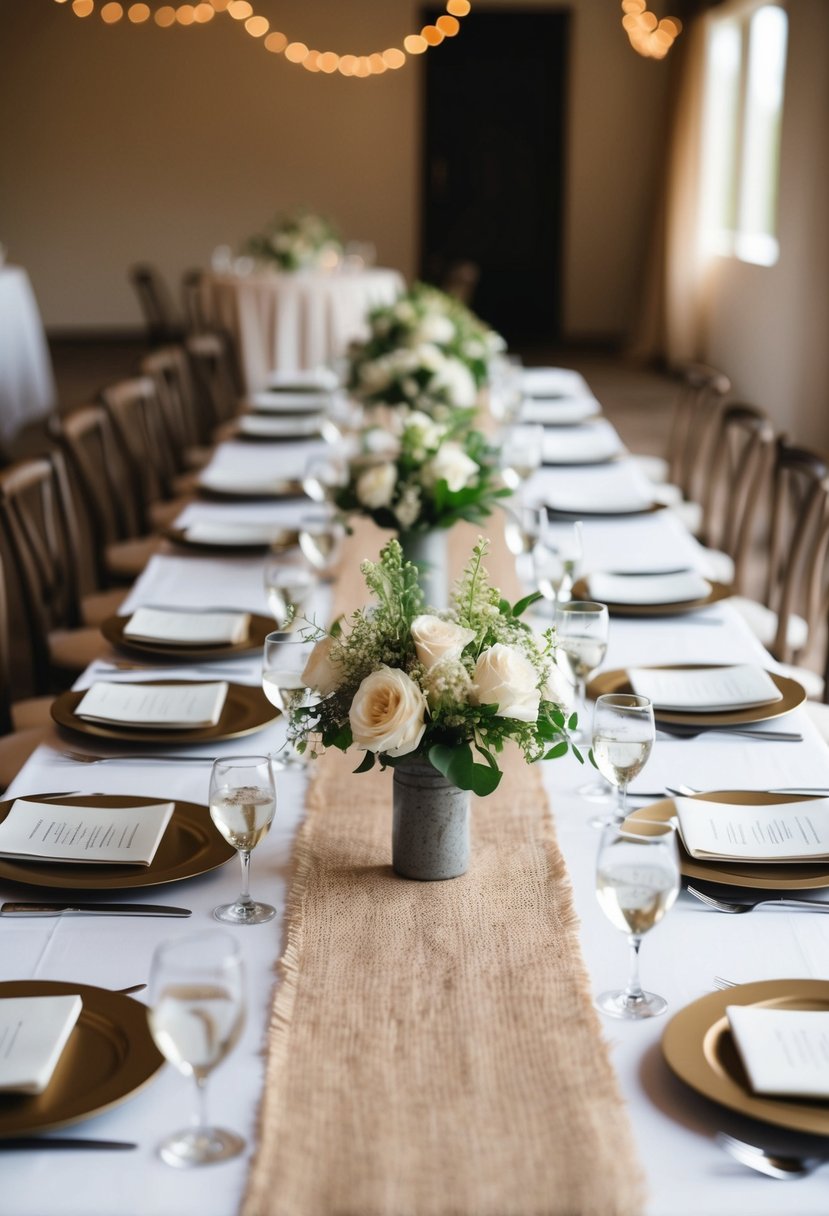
x=290, y=322
x=687, y=1174
x=27, y=386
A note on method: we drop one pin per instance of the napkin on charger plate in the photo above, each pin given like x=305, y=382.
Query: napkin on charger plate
x=183, y=628
x=781, y=832
x=593, y=443
x=648, y=589
x=784, y=1051
x=33, y=1033
x=184, y=706
x=55, y=831
x=230, y=533
x=559, y=411
x=262, y=426
x=287, y=403
x=705, y=689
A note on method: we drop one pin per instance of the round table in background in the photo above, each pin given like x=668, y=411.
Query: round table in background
x=27, y=385
x=293, y=322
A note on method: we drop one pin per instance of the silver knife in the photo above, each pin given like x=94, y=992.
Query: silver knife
x=78, y=909
x=40, y=1142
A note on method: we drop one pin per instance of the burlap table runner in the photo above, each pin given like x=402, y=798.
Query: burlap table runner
x=433, y=1048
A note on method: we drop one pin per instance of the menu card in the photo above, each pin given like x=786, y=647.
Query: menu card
x=784, y=832
x=614, y=500
x=109, y=835
x=559, y=411
x=785, y=1051
x=219, y=532
x=280, y=428
x=705, y=690
x=33, y=1032
x=182, y=628
x=580, y=445
x=240, y=481
x=648, y=589
x=288, y=403
x=165, y=706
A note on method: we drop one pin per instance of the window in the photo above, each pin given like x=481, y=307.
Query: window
x=744, y=77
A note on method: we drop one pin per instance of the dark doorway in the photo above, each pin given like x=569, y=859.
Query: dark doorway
x=494, y=165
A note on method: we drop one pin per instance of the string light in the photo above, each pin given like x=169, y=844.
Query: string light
x=648, y=35
x=299, y=53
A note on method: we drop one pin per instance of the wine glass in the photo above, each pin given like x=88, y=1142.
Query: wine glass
x=321, y=536
x=289, y=581
x=242, y=802
x=196, y=1014
x=285, y=658
x=324, y=476
x=520, y=454
x=556, y=558
x=522, y=527
x=506, y=392
x=581, y=629
x=637, y=882
x=623, y=735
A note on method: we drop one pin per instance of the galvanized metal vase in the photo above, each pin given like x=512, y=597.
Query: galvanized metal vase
x=428, y=552
x=430, y=826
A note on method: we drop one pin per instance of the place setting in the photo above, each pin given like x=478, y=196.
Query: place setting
x=175, y=634
x=593, y=443
x=231, y=537
x=653, y=594
x=278, y=428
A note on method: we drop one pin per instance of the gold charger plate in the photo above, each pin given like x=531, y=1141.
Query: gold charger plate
x=793, y=694
x=698, y=1047
x=796, y=876
x=719, y=591
x=260, y=626
x=284, y=538
x=109, y=1056
x=191, y=845
x=245, y=710
x=289, y=487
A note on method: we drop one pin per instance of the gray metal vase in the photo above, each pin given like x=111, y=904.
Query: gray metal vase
x=428, y=552
x=430, y=827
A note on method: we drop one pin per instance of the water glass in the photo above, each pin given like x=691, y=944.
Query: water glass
x=637, y=882
x=289, y=581
x=522, y=527
x=197, y=1009
x=285, y=658
x=321, y=536
x=582, y=631
x=324, y=477
x=242, y=803
x=520, y=454
x=623, y=736
x=556, y=559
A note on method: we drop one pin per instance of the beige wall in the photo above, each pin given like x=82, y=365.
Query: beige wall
x=126, y=143
x=768, y=326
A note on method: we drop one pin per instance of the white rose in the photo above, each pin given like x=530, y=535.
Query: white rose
x=407, y=510
x=504, y=677
x=452, y=465
x=388, y=713
x=456, y=379
x=375, y=487
x=559, y=688
x=436, y=329
x=435, y=639
x=429, y=431
x=321, y=674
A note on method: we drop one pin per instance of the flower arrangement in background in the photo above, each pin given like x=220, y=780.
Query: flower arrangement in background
x=426, y=351
x=298, y=241
x=416, y=474
x=398, y=682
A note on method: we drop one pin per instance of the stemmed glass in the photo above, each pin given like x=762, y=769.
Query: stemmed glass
x=520, y=454
x=321, y=536
x=556, y=559
x=289, y=581
x=242, y=803
x=581, y=630
x=196, y=1014
x=505, y=387
x=522, y=527
x=285, y=658
x=324, y=476
x=623, y=735
x=637, y=882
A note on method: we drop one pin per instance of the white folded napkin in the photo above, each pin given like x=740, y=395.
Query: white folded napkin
x=161, y=706
x=239, y=481
x=559, y=411
x=84, y=834
x=783, y=832
x=705, y=690
x=313, y=380
x=785, y=1051
x=219, y=532
x=648, y=589
x=593, y=443
x=288, y=403
x=183, y=628
x=33, y=1033
x=608, y=500
x=553, y=382
x=265, y=427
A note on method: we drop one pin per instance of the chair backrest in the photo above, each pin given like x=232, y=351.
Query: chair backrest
x=186, y=426
x=703, y=391
x=740, y=467
x=798, y=569
x=143, y=440
x=156, y=304
x=192, y=299
x=40, y=528
x=6, y=723
x=211, y=357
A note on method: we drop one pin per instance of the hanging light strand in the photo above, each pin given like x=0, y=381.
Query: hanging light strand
x=278, y=43
x=647, y=34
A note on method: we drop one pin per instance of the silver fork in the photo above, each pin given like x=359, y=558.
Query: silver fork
x=90, y=758
x=692, y=732
x=749, y=905
x=721, y=983
x=775, y=1165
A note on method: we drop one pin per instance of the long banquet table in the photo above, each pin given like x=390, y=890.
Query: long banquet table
x=686, y=1172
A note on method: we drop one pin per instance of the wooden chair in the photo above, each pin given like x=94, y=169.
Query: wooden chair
x=147, y=449
x=156, y=303
x=214, y=371
x=40, y=529
x=24, y=723
x=192, y=299
x=106, y=484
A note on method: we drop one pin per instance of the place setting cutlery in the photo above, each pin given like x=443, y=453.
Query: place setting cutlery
x=74, y=908
x=749, y=903
x=77, y=757
x=63, y=1144
x=783, y=1166
x=693, y=732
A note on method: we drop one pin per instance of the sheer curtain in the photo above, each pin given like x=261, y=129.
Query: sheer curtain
x=672, y=320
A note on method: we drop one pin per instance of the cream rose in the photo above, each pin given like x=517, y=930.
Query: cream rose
x=321, y=674
x=375, y=486
x=388, y=713
x=435, y=639
x=452, y=465
x=504, y=677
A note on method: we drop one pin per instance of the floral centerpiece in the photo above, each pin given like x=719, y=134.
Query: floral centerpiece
x=436, y=695
x=298, y=241
x=426, y=351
